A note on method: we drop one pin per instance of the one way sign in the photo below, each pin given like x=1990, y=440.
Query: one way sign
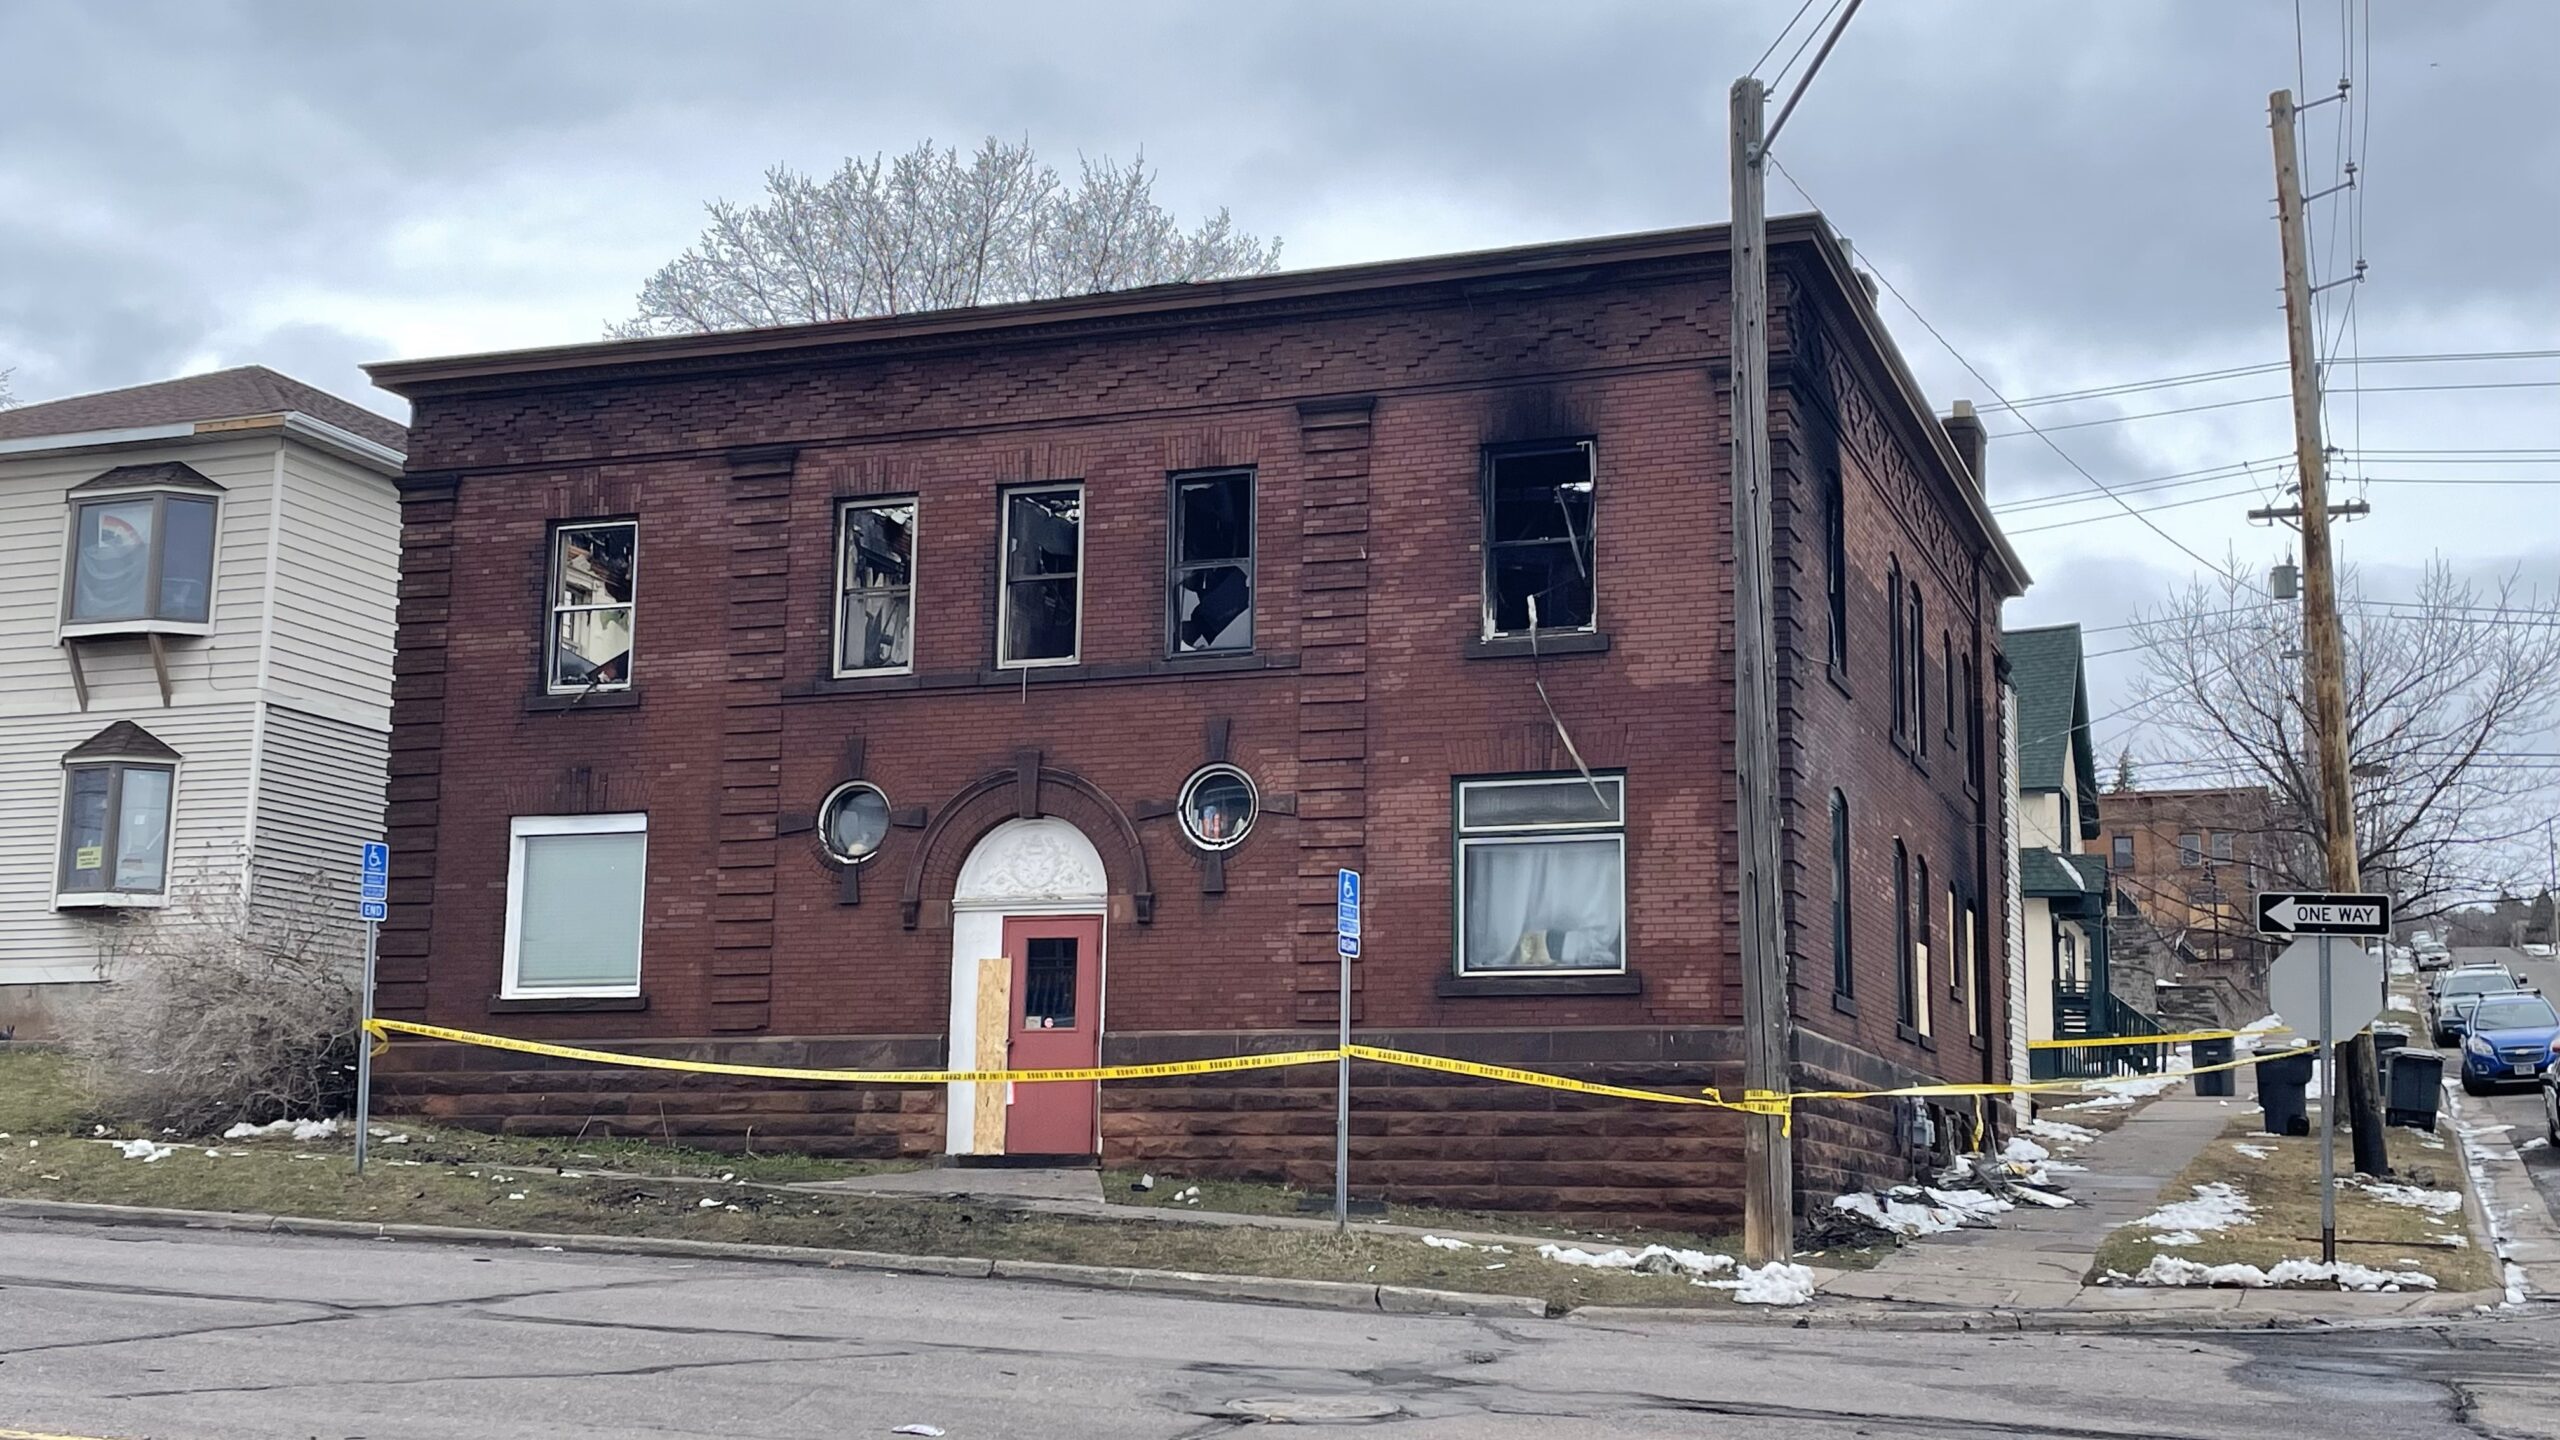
x=2368, y=916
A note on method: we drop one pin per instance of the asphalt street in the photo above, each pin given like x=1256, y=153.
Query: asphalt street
x=2521, y=1107
x=137, y=1333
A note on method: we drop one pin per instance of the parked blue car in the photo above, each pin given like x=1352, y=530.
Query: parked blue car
x=2507, y=1040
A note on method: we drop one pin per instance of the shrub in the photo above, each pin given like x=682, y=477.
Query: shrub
x=216, y=1010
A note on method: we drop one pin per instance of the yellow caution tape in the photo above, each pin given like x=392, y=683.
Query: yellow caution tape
x=1220, y=1065
x=1753, y=1102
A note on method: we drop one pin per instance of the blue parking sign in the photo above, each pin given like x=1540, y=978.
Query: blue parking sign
x=1346, y=913
x=373, y=910
x=377, y=858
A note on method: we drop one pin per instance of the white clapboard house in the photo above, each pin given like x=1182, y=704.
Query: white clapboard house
x=197, y=586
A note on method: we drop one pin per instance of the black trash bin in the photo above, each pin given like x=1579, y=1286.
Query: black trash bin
x=2413, y=1081
x=2283, y=1086
x=2210, y=1080
x=2386, y=1039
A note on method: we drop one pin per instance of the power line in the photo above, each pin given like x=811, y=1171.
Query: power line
x=1781, y=37
x=1994, y=391
x=2204, y=377
x=2271, y=399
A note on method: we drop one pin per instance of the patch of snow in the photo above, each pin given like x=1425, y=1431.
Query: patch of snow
x=2254, y=1152
x=1776, y=1283
x=2536, y=1143
x=2178, y=1237
x=1971, y=1202
x=1443, y=1242
x=1900, y=1217
x=2044, y=1198
x=2217, y=1206
x=706, y=1203
x=916, y=1429
x=1661, y=1259
x=2022, y=1151
x=2173, y=1270
x=2061, y=1132
x=145, y=1151
x=515, y=1194
x=2440, y=1202
x=297, y=1129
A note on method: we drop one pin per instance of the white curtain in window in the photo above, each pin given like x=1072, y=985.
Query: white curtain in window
x=1550, y=904
x=578, y=923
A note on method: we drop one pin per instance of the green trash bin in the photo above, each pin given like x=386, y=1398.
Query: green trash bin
x=2284, y=1085
x=2413, y=1083
x=2210, y=1079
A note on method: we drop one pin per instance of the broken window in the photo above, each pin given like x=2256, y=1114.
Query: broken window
x=875, y=580
x=1843, y=973
x=1835, y=569
x=1043, y=576
x=1211, y=588
x=1537, y=549
x=593, y=603
x=1895, y=641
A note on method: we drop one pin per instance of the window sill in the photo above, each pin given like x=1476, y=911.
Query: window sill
x=1925, y=1042
x=1018, y=676
x=1845, y=1004
x=108, y=629
x=1468, y=987
x=1839, y=681
x=567, y=1004
x=543, y=702
x=1567, y=642
x=109, y=900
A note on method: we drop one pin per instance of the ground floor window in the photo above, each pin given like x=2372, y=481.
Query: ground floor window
x=574, y=887
x=1542, y=874
x=115, y=831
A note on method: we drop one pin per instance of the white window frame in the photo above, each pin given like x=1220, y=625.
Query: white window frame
x=525, y=827
x=915, y=576
x=552, y=609
x=66, y=628
x=1533, y=834
x=1004, y=573
x=113, y=899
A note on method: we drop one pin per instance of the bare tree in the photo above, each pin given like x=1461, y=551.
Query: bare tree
x=2442, y=689
x=930, y=230
x=6, y=399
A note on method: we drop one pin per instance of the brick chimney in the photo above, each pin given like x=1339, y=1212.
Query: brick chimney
x=1971, y=441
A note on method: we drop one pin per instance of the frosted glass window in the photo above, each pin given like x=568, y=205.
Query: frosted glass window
x=574, y=905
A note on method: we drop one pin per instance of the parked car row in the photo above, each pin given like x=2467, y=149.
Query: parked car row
x=2429, y=952
x=2508, y=1034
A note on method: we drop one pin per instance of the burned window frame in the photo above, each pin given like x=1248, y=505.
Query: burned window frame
x=1844, y=970
x=1835, y=565
x=1588, y=544
x=1177, y=569
x=554, y=537
x=846, y=591
x=1006, y=579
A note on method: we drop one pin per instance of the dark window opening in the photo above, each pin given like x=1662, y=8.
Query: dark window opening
x=2123, y=846
x=875, y=623
x=1919, y=660
x=1043, y=576
x=1843, y=971
x=1049, y=984
x=1835, y=566
x=1211, y=587
x=1538, y=550
x=1895, y=641
x=1903, y=1006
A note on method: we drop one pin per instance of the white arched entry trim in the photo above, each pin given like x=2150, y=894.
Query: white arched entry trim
x=1021, y=867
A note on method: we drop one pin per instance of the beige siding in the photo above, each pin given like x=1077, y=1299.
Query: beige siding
x=210, y=807
x=35, y=516
x=337, y=579
x=319, y=799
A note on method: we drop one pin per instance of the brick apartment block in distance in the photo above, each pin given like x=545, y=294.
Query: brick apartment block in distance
x=1003, y=687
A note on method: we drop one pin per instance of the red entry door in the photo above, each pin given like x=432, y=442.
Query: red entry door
x=1056, y=1025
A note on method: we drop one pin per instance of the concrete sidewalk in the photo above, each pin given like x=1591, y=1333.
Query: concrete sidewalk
x=2036, y=1259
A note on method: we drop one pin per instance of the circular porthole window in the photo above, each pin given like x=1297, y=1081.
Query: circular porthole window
x=854, y=821
x=1217, y=806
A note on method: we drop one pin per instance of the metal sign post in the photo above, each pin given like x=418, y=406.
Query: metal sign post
x=372, y=904
x=2328, y=1115
x=1346, y=945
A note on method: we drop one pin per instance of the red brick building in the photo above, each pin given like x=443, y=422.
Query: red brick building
x=757, y=692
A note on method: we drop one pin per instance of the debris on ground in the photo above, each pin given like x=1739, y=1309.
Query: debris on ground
x=295, y=1129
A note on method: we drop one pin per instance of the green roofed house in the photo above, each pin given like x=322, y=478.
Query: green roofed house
x=2063, y=890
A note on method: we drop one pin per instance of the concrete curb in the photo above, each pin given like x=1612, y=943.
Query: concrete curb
x=2180, y=1321
x=1259, y=1289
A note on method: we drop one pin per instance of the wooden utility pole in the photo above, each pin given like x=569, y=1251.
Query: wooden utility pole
x=1768, y=1156
x=2324, y=652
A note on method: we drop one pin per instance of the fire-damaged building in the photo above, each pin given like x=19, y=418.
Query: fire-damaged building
x=1003, y=688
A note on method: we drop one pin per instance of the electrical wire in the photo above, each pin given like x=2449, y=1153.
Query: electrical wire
x=1781, y=37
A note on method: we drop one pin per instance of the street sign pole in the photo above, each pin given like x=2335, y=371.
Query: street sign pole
x=1346, y=944
x=372, y=899
x=2328, y=1118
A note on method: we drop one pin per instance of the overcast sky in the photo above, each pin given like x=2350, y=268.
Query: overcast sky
x=2074, y=194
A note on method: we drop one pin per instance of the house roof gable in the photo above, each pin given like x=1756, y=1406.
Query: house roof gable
x=232, y=394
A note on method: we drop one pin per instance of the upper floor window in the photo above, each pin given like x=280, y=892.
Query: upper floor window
x=574, y=890
x=1955, y=693
x=1042, y=620
x=1538, y=549
x=592, y=606
x=1896, y=641
x=1972, y=724
x=141, y=557
x=2222, y=846
x=1917, y=655
x=1835, y=570
x=2122, y=847
x=1844, y=981
x=2190, y=849
x=875, y=586
x=1542, y=874
x=1209, y=590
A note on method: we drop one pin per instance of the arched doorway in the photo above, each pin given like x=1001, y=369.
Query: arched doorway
x=1026, y=989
